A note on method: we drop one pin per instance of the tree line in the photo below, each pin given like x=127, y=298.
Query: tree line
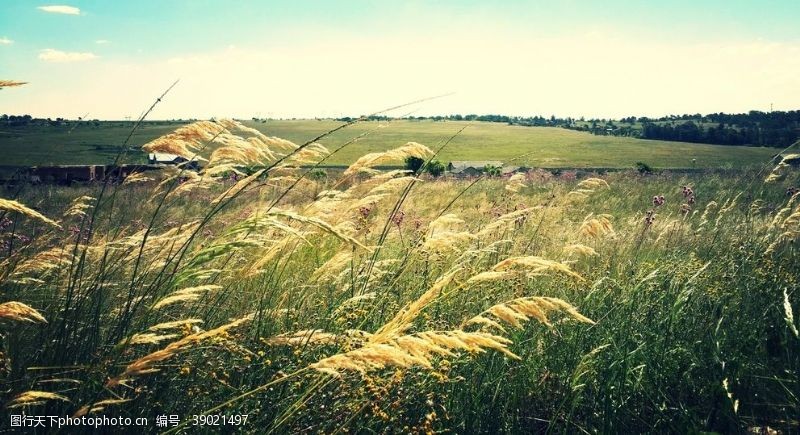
x=21, y=121
x=755, y=128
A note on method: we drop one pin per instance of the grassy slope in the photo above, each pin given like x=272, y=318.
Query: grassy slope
x=544, y=147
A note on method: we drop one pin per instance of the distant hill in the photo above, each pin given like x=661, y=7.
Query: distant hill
x=97, y=142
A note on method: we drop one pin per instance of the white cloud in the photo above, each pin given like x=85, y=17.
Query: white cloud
x=51, y=55
x=5, y=41
x=102, y=41
x=60, y=9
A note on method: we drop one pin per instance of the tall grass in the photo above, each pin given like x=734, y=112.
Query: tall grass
x=383, y=301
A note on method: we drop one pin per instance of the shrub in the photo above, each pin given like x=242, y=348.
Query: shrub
x=414, y=164
x=435, y=168
x=492, y=171
x=317, y=174
x=643, y=168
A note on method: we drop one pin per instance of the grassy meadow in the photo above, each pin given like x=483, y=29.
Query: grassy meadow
x=368, y=301
x=545, y=147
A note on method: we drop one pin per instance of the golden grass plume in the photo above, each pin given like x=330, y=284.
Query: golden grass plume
x=402, y=320
x=368, y=161
x=98, y=406
x=318, y=223
x=596, y=226
x=789, y=314
x=519, y=310
x=20, y=312
x=304, y=337
x=412, y=350
x=147, y=363
x=189, y=294
x=577, y=248
x=14, y=206
x=11, y=83
x=516, y=183
x=33, y=397
x=535, y=265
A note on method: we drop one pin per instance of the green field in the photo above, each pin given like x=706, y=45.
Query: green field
x=541, y=146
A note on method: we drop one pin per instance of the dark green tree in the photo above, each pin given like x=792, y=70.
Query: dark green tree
x=413, y=164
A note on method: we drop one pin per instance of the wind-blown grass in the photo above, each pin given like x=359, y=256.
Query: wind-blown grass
x=526, y=304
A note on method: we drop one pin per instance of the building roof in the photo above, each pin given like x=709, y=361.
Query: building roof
x=165, y=157
x=459, y=166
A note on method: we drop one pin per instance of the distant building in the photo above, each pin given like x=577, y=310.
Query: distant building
x=476, y=167
x=170, y=159
x=165, y=159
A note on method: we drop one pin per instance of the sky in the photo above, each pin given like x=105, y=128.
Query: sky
x=284, y=59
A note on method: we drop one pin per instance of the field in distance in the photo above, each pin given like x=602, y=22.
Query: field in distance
x=546, y=147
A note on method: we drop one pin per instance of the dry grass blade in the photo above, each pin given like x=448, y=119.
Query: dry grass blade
x=99, y=406
x=519, y=310
x=20, y=312
x=578, y=248
x=593, y=183
x=402, y=320
x=148, y=338
x=302, y=338
x=596, y=226
x=412, y=350
x=516, y=183
x=236, y=188
x=43, y=262
x=136, y=177
x=186, y=141
x=489, y=276
x=33, y=397
x=190, y=294
x=789, y=314
x=534, y=265
x=146, y=364
x=505, y=221
x=334, y=264
x=175, y=324
x=11, y=83
x=319, y=223
x=14, y=206
x=368, y=161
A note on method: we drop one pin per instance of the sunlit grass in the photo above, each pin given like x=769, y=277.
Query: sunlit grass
x=368, y=300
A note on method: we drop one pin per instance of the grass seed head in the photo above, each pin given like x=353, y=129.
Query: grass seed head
x=33, y=397
x=14, y=206
x=20, y=312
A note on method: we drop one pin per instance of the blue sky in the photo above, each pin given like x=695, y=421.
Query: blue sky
x=303, y=58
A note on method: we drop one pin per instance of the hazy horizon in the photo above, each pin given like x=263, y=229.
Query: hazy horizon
x=317, y=60
x=89, y=117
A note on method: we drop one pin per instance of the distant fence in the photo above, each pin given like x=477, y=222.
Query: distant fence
x=68, y=174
